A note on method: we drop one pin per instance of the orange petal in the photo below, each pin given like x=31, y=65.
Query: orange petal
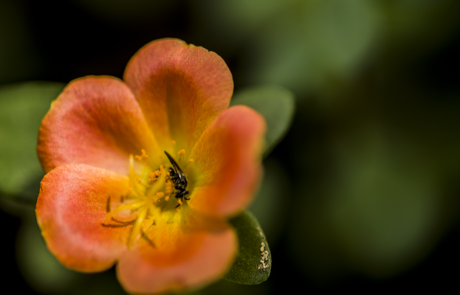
x=176, y=262
x=180, y=88
x=95, y=121
x=71, y=208
x=227, y=162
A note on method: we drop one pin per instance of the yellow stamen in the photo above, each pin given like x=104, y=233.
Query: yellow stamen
x=157, y=184
x=189, y=161
x=143, y=156
x=179, y=201
x=152, y=177
x=131, y=206
x=133, y=178
x=173, y=142
x=181, y=153
x=167, y=198
x=137, y=226
x=178, y=210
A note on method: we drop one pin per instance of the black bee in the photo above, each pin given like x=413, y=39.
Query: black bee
x=178, y=178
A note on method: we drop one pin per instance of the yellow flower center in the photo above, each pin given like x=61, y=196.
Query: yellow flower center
x=152, y=192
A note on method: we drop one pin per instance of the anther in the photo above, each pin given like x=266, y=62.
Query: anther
x=144, y=154
x=142, y=157
x=173, y=142
x=152, y=177
x=189, y=161
x=181, y=153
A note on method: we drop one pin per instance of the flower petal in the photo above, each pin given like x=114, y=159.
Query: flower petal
x=95, y=121
x=71, y=208
x=177, y=261
x=226, y=163
x=180, y=88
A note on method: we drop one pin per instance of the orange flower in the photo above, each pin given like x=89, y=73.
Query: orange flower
x=112, y=195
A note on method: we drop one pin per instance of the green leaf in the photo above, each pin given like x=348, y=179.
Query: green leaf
x=22, y=107
x=276, y=104
x=39, y=267
x=247, y=268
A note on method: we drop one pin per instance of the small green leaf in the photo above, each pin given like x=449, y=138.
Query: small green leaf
x=276, y=104
x=253, y=263
x=22, y=107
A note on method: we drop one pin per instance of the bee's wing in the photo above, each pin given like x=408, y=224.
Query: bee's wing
x=173, y=162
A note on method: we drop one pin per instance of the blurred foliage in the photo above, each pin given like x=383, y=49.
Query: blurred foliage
x=39, y=267
x=365, y=183
x=271, y=205
x=18, y=60
x=22, y=108
x=275, y=104
x=296, y=43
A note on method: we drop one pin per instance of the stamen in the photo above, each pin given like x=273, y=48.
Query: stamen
x=178, y=210
x=143, y=156
x=159, y=195
x=181, y=153
x=173, y=142
x=157, y=184
x=133, y=178
x=137, y=226
x=132, y=206
x=152, y=177
x=189, y=161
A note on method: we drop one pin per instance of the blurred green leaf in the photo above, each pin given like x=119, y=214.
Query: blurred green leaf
x=248, y=267
x=310, y=45
x=38, y=266
x=270, y=209
x=22, y=107
x=276, y=104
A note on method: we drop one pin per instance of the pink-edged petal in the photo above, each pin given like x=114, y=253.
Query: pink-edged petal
x=95, y=121
x=71, y=208
x=179, y=262
x=181, y=88
x=226, y=163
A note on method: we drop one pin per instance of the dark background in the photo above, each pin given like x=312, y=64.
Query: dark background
x=361, y=195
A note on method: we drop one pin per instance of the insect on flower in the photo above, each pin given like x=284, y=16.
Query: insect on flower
x=178, y=178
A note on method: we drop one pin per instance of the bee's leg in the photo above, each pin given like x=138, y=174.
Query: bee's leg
x=177, y=205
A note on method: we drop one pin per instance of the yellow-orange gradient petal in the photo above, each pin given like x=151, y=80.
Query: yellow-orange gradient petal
x=227, y=162
x=181, y=88
x=177, y=262
x=71, y=208
x=95, y=121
